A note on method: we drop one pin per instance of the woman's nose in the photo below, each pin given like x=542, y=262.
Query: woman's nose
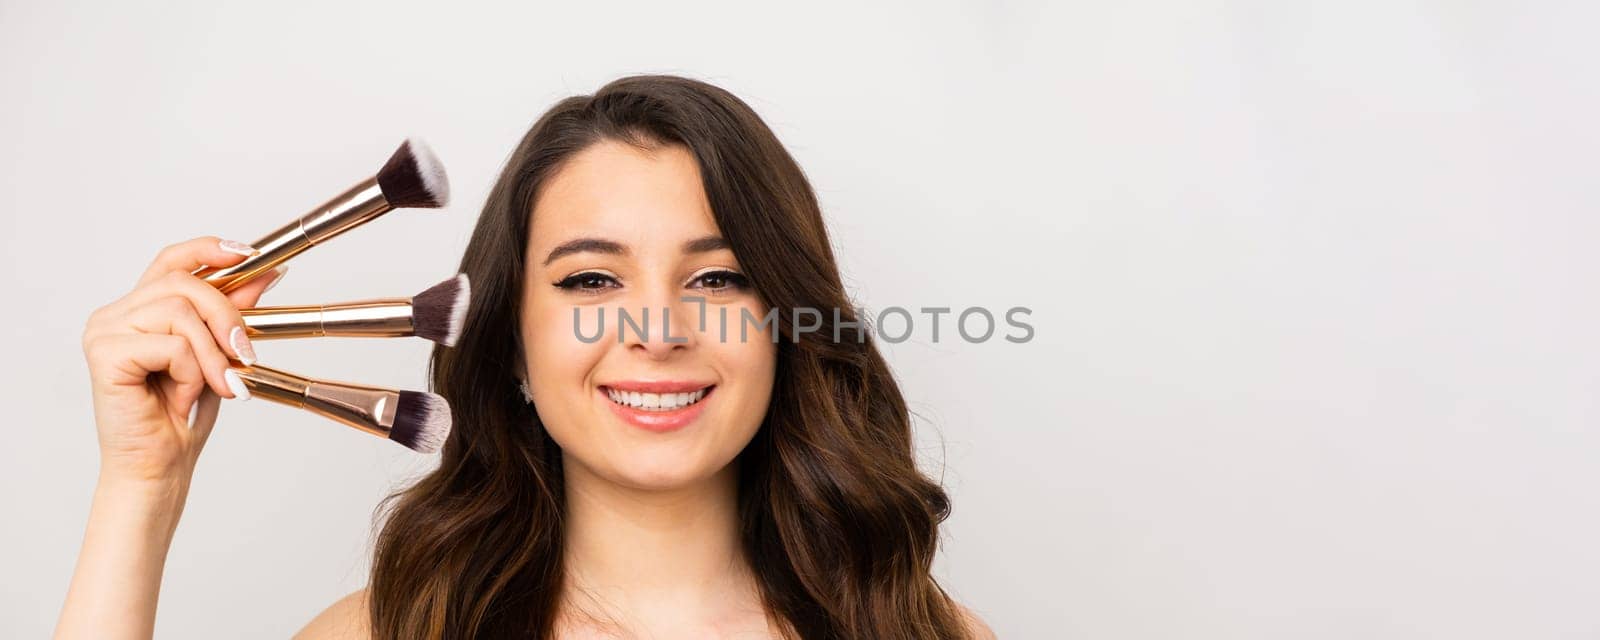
x=661, y=324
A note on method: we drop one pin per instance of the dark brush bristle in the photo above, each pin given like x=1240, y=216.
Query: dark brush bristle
x=439, y=313
x=421, y=421
x=414, y=178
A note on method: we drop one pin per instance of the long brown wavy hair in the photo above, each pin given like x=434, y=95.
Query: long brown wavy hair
x=837, y=523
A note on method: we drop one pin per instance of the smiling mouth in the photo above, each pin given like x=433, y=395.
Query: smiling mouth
x=659, y=402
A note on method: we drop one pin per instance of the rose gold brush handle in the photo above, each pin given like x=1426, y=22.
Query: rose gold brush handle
x=356, y=206
x=369, y=409
x=377, y=318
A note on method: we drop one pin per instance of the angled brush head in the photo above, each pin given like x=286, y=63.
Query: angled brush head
x=439, y=313
x=421, y=421
x=414, y=178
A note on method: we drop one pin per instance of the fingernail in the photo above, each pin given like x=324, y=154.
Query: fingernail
x=281, y=270
x=240, y=248
x=241, y=346
x=236, y=385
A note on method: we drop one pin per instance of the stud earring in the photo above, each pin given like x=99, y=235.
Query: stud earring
x=527, y=396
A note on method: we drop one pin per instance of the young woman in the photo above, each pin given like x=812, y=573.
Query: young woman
x=701, y=470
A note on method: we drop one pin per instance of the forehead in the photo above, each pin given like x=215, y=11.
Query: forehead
x=616, y=190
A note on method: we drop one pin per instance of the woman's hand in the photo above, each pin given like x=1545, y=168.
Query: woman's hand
x=154, y=352
x=154, y=355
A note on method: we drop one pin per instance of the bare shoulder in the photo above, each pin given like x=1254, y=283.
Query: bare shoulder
x=976, y=628
x=343, y=620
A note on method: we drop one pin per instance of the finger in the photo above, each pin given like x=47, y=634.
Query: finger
x=250, y=294
x=175, y=315
x=215, y=309
x=129, y=359
x=204, y=251
x=204, y=416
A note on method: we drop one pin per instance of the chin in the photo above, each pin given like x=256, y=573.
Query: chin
x=660, y=471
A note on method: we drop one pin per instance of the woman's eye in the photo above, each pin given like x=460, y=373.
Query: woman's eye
x=588, y=282
x=719, y=281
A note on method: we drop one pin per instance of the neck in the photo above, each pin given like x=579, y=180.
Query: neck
x=640, y=557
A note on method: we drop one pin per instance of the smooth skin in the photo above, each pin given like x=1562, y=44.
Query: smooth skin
x=653, y=526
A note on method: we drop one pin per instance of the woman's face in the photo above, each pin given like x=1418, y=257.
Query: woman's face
x=618, y=230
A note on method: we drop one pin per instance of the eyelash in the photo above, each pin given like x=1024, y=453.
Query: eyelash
x=735, y=281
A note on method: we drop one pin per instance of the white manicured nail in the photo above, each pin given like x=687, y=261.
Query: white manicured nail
x=236, y=385
x=232, y=246
x=280, y=271
x=242, y=348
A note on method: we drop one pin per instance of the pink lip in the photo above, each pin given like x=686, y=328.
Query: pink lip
x=659, y=421
x=656, y=386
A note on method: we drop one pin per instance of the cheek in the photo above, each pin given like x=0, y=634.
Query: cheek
x=558, y=362
x=751, y=363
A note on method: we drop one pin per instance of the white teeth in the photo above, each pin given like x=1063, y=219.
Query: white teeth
x=655, y=401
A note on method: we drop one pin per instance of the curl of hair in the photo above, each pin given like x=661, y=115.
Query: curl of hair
x=837, y=523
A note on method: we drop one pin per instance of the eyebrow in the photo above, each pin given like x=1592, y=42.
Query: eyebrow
x=612, y=247
x=706, y=244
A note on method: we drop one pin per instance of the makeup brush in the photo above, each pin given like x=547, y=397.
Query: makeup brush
x=412, y=178
x=417, y=419
x=436, y=314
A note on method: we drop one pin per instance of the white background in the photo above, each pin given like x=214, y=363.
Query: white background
x=1313, y=283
